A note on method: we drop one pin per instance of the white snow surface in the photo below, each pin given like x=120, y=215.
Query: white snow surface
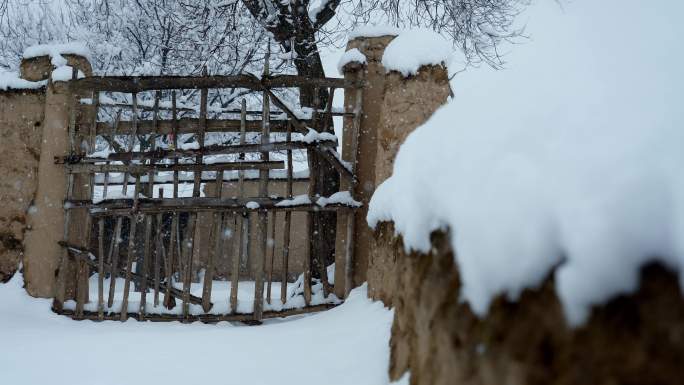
x=351, y=56
x=345, y=345
x=572, y=157
x=315, y=136
x=374, y=31
x=56, y=50
x=415, y=48
x=63, y=74
x=12, y=81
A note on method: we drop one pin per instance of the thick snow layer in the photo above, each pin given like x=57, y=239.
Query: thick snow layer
x=573, y=157
x=57, y=50
x=351, y=56
x=340, y=197
x=345, y=345
x=374, y=31
x=315, y=136
x=63, y=74
x=12, y=81
x=415, y=48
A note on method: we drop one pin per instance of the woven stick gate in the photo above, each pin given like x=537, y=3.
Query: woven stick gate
x=145, y=234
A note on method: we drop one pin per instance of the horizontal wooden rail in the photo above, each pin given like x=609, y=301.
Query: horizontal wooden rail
x=185, y=126
x=211, y=111
x=190, y=179
x=248, y=81
x=81, y=168
x=205, y=318
x=206, y=151
x=194, y=204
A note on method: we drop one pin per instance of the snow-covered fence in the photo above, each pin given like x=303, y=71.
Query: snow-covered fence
x=185, y=199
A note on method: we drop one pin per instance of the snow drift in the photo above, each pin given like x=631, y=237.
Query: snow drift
x=572, y=157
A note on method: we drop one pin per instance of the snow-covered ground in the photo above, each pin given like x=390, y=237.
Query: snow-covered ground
x=345, y=345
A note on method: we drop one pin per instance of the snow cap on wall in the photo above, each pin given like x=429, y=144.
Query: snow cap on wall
x=415, y=48
x=374, y=31
x=351, y=56
x=12, y=81
x=55, y=51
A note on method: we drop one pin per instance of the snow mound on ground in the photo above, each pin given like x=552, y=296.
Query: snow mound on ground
x=351, y=56
x=415, y=48
x=12, y=81
x=573, y=157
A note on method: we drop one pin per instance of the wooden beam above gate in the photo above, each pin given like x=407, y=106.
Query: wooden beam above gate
x=248, y=81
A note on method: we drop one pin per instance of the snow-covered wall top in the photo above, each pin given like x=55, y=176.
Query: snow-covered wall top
x=571, y=158
x=412, y=49
x=12, y=81
x=374, y=31
x=57, y=50
x=351, y=56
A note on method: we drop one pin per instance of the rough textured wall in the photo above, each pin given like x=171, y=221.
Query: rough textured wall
x=633, y=339
x=407, y=104
x=21, y=119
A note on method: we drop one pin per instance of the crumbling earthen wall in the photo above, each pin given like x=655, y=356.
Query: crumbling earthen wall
x=632, y=339
x=21, y=120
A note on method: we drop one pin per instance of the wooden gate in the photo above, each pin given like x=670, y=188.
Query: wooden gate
x=190, y=211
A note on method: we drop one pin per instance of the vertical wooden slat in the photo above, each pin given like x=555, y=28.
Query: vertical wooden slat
x=131, y=254
x=115, y=129
x=312, y=160
x=131, y=145
x=153, y=143
x=100, y=270
x=322, y=269
x=349, y=245
x=174, y=141
x=187, y=275
x=271, y=243
x=262, y=214
x=169, y=301
x=91, y=133
x=158, y=253
x=145, y=262
x=213, y=254
x=288, y=221
x=192, y=219
x=82, y=274
x=114, y=260
x=241, y=220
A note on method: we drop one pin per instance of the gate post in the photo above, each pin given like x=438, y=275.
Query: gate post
x=42, y=251
x=373, y=75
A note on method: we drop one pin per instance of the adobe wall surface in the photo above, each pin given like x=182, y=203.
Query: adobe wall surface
x=21, y=120
x=633, y=339
x=406, y=105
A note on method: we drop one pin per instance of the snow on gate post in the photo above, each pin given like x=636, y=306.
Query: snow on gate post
x=399, y=95
x=42, y=252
